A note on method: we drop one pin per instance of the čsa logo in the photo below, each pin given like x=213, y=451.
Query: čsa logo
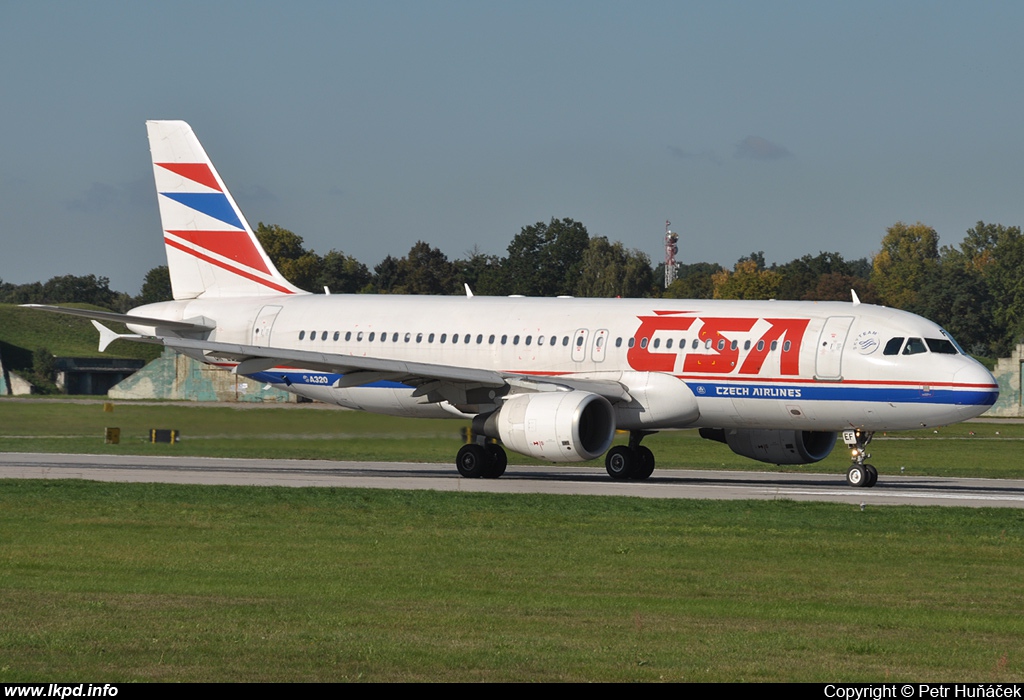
x=718, y=348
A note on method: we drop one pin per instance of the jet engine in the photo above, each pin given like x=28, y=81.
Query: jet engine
x=557, y=426
x=775, y=446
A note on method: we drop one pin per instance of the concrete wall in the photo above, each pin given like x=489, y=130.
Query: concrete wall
x=174, y=376
x=1008, y=374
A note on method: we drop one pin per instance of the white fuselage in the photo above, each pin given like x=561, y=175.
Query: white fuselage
x=817, y=366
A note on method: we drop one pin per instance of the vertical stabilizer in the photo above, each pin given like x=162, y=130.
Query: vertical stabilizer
x=211, y=249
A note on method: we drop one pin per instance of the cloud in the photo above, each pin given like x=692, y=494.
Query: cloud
x=757, y=148
x=683, y=154
x=103, y=197
x=99, y=197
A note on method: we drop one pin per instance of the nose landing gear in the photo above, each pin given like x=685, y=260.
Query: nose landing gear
x=860, y=474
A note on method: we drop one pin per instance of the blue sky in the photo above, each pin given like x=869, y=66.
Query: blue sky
x=788, y=127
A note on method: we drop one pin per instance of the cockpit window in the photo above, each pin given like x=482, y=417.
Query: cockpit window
x=893, y=346
x=953, y=340
x=941, y=346
x=914, y=346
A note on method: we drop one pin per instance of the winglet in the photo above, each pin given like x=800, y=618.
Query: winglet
x=856, y=299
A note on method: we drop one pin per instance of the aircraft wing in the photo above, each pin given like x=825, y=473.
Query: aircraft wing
x=359, y=370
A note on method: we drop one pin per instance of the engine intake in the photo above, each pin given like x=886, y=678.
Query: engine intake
x=775, y=446
x=557, y=426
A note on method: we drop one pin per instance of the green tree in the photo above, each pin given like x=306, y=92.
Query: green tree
x=299, y=266
x=343, y=274
x=545, y=259
x=609, y=270
x=155, y=287
x=747, y=280
x=694, y=281
x=483, y=273
x=908, y=260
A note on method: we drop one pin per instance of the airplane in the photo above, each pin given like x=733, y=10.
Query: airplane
x=776, y=381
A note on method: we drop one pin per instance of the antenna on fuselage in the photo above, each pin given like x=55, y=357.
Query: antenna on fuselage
x=853, y=293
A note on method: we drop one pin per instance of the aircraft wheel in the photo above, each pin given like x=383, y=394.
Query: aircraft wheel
x=620, y=463
x=645, y=466
x=497, y=461
x=472, y=461
x=857, y=476
x=872, y=475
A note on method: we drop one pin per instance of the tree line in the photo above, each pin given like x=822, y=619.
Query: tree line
x=975, y=289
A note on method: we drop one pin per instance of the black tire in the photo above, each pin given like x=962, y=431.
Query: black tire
x=620, y=462
x=472, y=461
x=497, y=461
x=645, y=464
x=857, y=476
x=872, y=475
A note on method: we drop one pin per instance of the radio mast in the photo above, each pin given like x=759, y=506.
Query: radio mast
x=671, y=239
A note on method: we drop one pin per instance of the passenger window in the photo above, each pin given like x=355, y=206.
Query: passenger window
x=668, y=344
x=348, y=336
x=775, y=345
x=455, y=337
x=444, y=337
x=407, y=336
x=565, y=341
x=466, y=339
x=529, y=339
x=323, y=336
x=540, y=340
x=359, y=337
x=579, y=342
x=734, y=345
x=515, y=340
x=786, y=346
x=504, y=339
x=479, y=339
x=490, y=339
x=302, y=335
x=337, y=334
x=657, y=342
x=430, y=338
x=760, y=346
x=915, y=346
x=632, y=342
x=618, y=342
x=893, y=346
x=746, y=345
x=721, y=344
x=643, y=342
x=554, y=340
x=372, y=336
x=419, y=337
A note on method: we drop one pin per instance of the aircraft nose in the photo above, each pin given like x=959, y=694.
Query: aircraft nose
x=976, y=388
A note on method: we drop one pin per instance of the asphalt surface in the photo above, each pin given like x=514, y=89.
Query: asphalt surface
x=593, y=481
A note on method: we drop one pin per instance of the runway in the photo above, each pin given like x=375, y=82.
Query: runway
x=575, y=480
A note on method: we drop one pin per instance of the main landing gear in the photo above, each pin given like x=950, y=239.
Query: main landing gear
x=487, y=461
x=859, y=474
x=634, y=462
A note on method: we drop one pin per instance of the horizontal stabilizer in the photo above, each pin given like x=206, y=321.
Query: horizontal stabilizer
x=194, y=325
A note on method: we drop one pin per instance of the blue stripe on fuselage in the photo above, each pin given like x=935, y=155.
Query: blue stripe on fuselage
x=292, y=378
x=834, y=392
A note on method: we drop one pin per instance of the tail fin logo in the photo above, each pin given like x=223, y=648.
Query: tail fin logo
x=201, y=220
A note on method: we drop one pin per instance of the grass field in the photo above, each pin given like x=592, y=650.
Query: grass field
x=993, y=450
x=122, y=582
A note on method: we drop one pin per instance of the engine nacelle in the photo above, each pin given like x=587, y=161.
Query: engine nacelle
x=775, y=446
x=557, y=426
